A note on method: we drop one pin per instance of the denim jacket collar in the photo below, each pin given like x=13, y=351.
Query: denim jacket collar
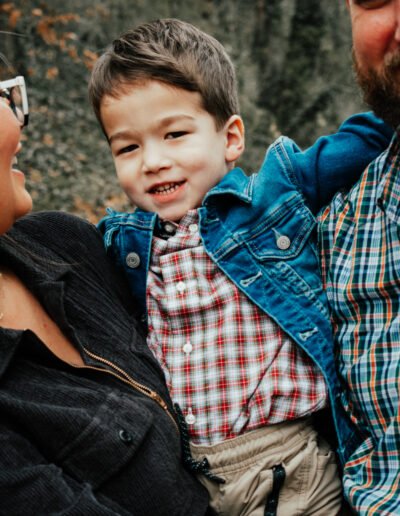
x=234, y=183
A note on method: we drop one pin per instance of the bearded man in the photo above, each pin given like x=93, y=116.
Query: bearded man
x=360, y=251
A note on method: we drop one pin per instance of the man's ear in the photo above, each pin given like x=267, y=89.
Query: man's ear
x=234, y=134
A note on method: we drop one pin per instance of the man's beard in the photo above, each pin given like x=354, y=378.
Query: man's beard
x=382, y=91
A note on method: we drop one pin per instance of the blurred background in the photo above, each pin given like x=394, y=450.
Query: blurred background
x=293, y=60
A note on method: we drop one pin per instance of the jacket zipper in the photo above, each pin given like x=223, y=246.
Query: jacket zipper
x=126, y=378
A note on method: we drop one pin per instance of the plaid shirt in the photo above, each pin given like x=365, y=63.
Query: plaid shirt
x=360, y=246
x=227, y=364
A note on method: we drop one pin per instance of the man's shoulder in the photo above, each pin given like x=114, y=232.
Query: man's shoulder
x=365, y=190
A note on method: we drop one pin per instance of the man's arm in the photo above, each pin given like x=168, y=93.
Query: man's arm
x=371, y=478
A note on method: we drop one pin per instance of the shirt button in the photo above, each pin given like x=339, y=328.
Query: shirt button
x=133, y=260
x=181, y=286
x=283, y=242
x=187, y=348
x=125, y=436
x=190, y=418
x=169, y=228
x=193, y=228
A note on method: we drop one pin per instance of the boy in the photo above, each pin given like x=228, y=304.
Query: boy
x=224, y=268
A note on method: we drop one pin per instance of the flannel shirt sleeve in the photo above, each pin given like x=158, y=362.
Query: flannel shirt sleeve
x=372, y=475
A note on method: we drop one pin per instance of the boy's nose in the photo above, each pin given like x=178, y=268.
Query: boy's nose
x=154, y=160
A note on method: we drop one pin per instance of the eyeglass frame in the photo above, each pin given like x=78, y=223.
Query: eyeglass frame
x=5, y=86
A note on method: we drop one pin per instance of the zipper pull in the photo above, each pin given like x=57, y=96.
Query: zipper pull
x=156, y=397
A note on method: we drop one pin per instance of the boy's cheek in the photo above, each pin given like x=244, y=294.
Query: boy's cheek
x=124, y=180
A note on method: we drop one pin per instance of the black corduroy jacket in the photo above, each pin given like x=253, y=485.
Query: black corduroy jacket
x=95, y=440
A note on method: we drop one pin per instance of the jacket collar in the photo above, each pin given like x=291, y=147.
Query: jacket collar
x=235, y=183
x=43, y=277
x=388, y=190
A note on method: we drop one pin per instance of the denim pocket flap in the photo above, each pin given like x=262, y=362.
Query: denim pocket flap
x=283, y=233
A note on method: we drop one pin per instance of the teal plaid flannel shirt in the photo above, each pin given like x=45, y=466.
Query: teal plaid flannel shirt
x=360, y=251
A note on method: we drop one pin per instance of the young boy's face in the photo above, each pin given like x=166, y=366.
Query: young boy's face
x=167, y=151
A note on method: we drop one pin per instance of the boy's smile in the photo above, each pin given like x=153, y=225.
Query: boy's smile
x=167, y=150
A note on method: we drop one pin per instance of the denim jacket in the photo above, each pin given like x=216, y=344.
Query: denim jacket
x=260, y=231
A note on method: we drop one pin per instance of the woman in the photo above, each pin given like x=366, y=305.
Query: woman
x=86, y=424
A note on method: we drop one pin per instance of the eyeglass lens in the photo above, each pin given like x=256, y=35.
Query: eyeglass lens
x=14, y=97
x=16, y=103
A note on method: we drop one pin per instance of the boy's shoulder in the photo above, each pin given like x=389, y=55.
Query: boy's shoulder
x=137, y=217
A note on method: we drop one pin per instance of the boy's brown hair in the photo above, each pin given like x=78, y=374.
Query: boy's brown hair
x=175, y=53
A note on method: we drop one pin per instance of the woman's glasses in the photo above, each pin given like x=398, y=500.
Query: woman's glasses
x=14, y=91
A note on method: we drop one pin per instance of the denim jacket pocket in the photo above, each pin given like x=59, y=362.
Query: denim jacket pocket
x=283, y=233
x=108, y=442
x=283, y=244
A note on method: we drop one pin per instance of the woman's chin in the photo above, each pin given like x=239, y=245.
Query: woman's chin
x=24, y=205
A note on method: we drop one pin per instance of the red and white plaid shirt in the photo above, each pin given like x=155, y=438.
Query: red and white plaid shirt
x=229, y=366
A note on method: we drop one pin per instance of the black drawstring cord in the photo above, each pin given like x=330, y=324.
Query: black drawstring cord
x=198, y=467
x=279, y=476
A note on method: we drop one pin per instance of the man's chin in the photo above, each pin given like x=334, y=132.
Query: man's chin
x=381, y=93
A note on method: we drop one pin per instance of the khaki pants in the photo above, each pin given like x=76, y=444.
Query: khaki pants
x=311, y=487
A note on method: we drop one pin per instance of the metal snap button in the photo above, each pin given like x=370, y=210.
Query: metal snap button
x=193, y=228
x=132, y=260
x=283, y=242
x=125, y=436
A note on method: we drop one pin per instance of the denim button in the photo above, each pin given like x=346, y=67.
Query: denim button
x=133, y=260
x=125, y=436
x=283, y=242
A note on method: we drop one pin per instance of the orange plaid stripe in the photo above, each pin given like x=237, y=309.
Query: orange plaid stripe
x=360, y=252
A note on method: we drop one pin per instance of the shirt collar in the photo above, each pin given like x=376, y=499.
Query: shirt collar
x=42, y=276
x=388, y=189
x=10, y=340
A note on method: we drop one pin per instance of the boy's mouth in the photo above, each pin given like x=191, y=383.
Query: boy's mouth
x=165, y=188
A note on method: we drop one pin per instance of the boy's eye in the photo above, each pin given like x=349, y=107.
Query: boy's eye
x=175, y=134
x=128, y=148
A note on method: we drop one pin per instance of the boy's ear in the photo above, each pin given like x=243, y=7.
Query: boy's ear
x=234, y=134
